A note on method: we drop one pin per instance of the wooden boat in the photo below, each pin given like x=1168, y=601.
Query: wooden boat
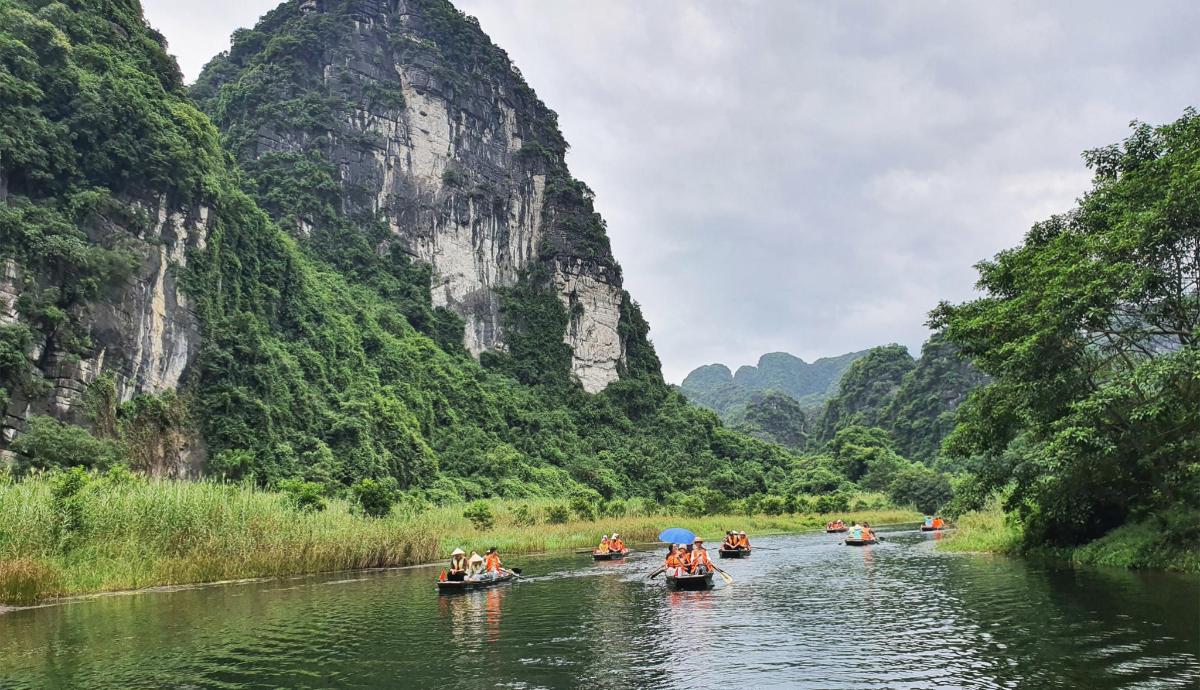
x=861, y=542
x=734, y=553
x=836, y=530
x=928, y=528
x=452, y=586
x=609, y=555
x=690, y=582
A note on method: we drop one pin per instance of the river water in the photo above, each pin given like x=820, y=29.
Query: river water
x=810, y=613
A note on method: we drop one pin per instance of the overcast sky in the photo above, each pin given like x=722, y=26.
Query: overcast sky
x=813, y=177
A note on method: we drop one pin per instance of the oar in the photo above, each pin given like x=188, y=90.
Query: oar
x=724, y=575
x=656, y=573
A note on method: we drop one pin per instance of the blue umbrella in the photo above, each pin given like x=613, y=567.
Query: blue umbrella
x=677, y=535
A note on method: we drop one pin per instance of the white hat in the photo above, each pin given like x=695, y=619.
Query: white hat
x=615, y=535
x=457, y=552
x=476, y=558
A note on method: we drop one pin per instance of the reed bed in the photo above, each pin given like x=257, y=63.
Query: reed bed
x=144, y=533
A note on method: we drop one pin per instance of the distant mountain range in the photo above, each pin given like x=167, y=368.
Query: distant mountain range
x=714, y=386
x=800, y=405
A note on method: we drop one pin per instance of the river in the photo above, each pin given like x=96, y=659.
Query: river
x=808, y=613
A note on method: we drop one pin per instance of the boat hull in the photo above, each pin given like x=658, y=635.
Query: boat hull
x=734, y=553
x=837, y=531
x=931, y=529
x=455, y=586
x=690, y=582
x=610, y=556
x=861, y=542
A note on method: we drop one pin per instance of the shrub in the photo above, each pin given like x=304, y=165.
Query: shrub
x=614, y=508
x=48, y=443
x=558, y=514
x=376, y=496
x=832, y=503
x=523, y=516
x=66, y=487
x=584, y=504
x=24, y=581
x=773, y=505
x=305, y=496
x=480, y=515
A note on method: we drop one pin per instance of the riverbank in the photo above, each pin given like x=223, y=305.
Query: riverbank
x=133, y=533
x=1167, y=542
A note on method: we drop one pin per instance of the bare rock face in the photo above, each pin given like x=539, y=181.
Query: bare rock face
x=436, y=135
x=144, y=332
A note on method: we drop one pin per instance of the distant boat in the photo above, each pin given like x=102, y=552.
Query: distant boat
x=734, y=553
x=929, y=528
x=690, y=582
x=609, y=555
x=836, y=530
x=861, y=542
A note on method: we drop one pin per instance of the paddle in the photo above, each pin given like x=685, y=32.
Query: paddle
x=724, y=575
x=656, y=573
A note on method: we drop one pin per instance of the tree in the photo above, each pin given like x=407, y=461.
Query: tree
x=1090, y=329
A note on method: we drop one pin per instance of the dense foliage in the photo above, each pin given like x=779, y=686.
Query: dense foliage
x=1091, y=332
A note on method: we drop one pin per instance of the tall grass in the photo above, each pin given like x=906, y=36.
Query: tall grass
x=144, y=533
x=988, y=530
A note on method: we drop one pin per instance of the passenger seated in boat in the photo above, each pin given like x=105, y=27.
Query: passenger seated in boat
x=939, y=523
x=492, y=564
x=674, y=564
x=474, y=566
x=856, y=531
x=743, y=542
x=605, y=545
x=929, y=521
x=730, y=542
x=615, y=543
x=700, y=564
x=458, y=566
x=867, y=534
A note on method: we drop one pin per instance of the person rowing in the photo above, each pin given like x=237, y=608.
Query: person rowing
x=615, y=544
x=492, y=566
x=699, y=563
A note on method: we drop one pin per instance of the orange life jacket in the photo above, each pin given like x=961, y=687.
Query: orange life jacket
x=699, y=558
x=743, y=541
x=673, y=561
x=616, y=545
x=491, y=562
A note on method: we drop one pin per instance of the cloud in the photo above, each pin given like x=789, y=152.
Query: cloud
x=812, y=176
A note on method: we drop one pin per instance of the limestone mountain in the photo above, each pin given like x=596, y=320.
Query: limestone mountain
x=715, y=387
x=378, y=266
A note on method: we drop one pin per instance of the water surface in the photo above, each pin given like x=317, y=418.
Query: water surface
x=809, y=614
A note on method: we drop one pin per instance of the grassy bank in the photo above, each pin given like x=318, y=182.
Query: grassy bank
x=1165, y=542
x=133, y=533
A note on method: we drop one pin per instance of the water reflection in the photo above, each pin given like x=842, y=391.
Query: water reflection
x=813, y=614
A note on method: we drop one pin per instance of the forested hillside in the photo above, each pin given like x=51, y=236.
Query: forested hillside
x=316, y=354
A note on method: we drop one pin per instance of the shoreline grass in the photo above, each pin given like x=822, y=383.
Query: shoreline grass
x=137, y=533
x=1165, y=542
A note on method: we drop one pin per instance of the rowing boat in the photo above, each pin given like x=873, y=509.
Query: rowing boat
x=609, y=555
x=734, y=553
x=927, y=528
x=452, y=586
x=690, y=582
x=836, y=530
x=861, y=542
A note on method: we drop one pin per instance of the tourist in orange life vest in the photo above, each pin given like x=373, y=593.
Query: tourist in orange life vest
x=700, y=564
x=675, y=564
x=743, y=542
x=492, y=564
x=866, y=531
x=730, y=542
x=615, y=543
x=939, y=523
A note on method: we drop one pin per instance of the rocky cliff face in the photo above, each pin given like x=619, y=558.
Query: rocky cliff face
x=423, y=127
x=142, y=331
